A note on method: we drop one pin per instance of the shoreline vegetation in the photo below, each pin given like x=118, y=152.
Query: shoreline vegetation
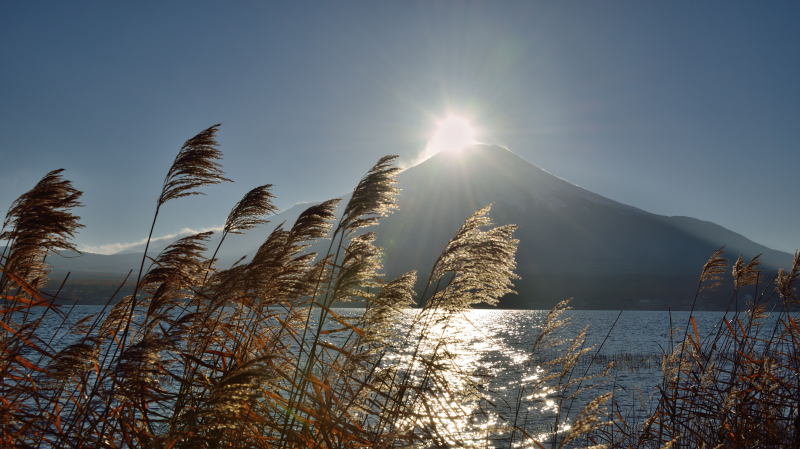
x=254, y=356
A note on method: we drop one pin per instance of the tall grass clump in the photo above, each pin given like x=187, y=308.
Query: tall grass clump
x=738, y=387
x=251, y=355
x=256, y=355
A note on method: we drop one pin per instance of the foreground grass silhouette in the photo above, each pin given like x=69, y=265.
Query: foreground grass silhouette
x=254, y=356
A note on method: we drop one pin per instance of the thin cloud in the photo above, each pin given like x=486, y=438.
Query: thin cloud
x=113, y=248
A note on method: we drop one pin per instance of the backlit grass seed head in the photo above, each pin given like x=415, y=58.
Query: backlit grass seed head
x=374, y=196
x=250, y=210
x=385, y=309
x=178, y=268
x=179, y=264
x=359, y=269
x=140, y=369
x=481, y=263
x=715, y=266
x=195, y=165
x=40, y=221
x=277, y=266
x=745, y=274
x=315, y=222
x=281, y=267
x=588, y=420
x=114, y=322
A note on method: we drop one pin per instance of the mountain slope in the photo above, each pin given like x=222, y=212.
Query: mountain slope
x=572, y=242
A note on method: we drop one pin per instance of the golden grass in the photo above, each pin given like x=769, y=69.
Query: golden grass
x=254, y=356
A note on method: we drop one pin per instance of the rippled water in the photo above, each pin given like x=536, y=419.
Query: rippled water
x=496, y=346
x=493, y=347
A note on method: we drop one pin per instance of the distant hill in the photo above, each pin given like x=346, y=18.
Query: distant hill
x=573, y=242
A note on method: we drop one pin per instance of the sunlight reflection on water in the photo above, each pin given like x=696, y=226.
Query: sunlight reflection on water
x=488, y=360
x=492, y=349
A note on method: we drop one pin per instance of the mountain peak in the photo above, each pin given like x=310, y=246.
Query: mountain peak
x=477, y=153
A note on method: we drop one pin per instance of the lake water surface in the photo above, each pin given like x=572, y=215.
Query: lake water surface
x=494, y=347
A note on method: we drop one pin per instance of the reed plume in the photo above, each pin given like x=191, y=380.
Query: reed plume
x=246, y=214
x=196, y=165
x=745, y=274
x=249, y=212
x=314, y=222
x=373, y=197
x=39, y=221
x=385, y=309
x=177, y=270
x=481, y=264
x=711, y=274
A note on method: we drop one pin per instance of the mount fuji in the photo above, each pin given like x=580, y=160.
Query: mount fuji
x=573, y=242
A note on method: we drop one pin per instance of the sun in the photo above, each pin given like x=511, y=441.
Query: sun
x=452, y=134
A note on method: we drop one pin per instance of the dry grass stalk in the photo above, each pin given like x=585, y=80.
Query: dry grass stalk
x=255, y=356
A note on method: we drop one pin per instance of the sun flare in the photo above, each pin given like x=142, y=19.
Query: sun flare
x=452, y=134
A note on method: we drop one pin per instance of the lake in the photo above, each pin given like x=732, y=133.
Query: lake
x=492, y=349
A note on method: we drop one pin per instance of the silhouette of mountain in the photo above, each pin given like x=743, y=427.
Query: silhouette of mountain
x=573, y=242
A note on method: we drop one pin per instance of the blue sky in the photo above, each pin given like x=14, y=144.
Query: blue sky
x=680, y=108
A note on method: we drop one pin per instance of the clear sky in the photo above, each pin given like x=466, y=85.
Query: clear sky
x=679, y=108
